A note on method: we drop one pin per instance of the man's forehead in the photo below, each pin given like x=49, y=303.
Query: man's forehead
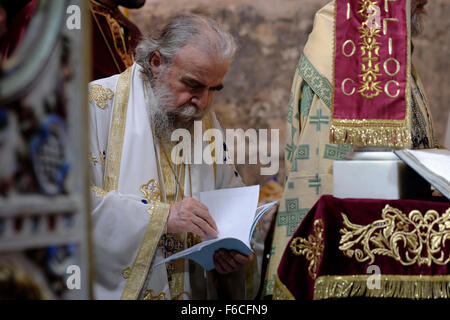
x=197, y=61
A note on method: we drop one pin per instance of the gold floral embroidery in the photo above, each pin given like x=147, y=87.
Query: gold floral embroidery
x=150, y=295
x=422, y=238
x=311, y=248
x=100, y=95
x=370, y=48
x=151, y=192
x=193, y=239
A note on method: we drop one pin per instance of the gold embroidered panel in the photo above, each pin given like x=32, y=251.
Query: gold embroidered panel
x=409, y=239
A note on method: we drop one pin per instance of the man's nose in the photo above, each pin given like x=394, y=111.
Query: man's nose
x=201, y=99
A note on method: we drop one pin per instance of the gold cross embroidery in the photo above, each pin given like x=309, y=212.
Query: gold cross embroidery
x=100, y=95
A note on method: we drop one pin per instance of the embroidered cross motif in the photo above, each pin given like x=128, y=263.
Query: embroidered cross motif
x=315, y=183
x=295, y=153
x=319, y=119
x=292, y=217
x=311, y=248
x=151, y=192
x=100, y=95
x=336, y=152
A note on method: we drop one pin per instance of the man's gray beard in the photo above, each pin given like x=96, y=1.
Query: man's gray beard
x=166, y=118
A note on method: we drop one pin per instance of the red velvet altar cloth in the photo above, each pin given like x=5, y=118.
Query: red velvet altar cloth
x=330, y=256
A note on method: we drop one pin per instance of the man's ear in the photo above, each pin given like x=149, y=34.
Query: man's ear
x=156, y=62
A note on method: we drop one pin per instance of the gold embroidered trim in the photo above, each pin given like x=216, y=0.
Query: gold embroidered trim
x=280, y=291
x=422, y=237
x=146, y=252
x=118, y=38
x=117, y=131
x=150, y=295
x=152, y=192
x=100, y=95
x=126, y=272
x=174, y=180
x=98, y=192
x=364, y=133
x=311, y=248
x=390, y=286
x=208, y=125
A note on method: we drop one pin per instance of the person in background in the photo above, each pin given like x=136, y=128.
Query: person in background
x=114, y=36
x=309, y=155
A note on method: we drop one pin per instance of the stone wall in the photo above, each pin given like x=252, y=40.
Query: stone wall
x=271, y=35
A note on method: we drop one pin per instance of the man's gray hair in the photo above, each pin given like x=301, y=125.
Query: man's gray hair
x=187, y=29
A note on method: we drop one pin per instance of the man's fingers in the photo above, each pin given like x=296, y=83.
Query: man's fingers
x=198, y=231
x=206, y=228
x=201, y=206
x=218, y=265
x=224, y=263
x=230, y=261
x=201, y=211
x=240, y=258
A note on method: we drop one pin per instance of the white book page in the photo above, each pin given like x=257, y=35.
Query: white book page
x=435, y=160
x=233, y=210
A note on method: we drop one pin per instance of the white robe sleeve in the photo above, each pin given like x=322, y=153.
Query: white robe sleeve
x=119, y=223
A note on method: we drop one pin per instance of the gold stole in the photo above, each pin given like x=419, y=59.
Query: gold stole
x=173, y=178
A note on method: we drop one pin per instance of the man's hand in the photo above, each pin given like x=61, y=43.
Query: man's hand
x=230, y=261
x=190, y=215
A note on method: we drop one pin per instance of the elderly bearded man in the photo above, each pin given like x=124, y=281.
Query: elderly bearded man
x=145, y=207
x=309, y=154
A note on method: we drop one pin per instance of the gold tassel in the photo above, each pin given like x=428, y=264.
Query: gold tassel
x=390, y=286
x=366, y=136
x=280, y=291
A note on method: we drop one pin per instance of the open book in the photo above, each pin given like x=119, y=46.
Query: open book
x=236, y=214
x=432, y=164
